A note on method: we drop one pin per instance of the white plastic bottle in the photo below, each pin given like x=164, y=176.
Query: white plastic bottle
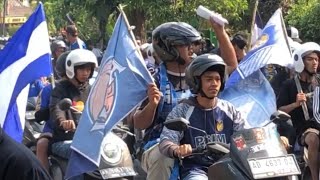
x=206, y=14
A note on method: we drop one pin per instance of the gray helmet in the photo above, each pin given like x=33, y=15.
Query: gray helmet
x=200, y=65
x=168, y=35
x=57, y=44
x=61, y=64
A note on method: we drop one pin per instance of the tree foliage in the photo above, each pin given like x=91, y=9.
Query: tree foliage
x=95, y=18
x=304, y=16
x=157, y=12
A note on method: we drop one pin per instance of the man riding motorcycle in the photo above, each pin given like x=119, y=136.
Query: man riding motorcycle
x=173, y=43
x=219, y=118
x=290, y=100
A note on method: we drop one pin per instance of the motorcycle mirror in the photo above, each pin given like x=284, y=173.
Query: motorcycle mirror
x=179, y=124
x=65, y=104
x=280, y=115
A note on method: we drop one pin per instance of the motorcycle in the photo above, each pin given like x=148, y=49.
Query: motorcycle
x=255, y=153
x=116, y=161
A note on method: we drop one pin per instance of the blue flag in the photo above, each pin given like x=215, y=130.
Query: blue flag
x=258, y=27
x=120, y=86
x=25, y=58
x=247, y=88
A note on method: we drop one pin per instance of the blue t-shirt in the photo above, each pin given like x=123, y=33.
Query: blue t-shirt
x=78, y=44
x=35, y=88
x=45, y=96
x=219, y=123
x=44, y=103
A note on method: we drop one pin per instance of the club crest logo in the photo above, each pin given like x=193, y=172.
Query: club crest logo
x=263, y=39
x=102, y=97
x=219, y=125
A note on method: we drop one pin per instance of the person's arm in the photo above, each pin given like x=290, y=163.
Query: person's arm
x=227, y=51
x=290, y=107
x=170, y=139
x=143, y=118
x=169, y=143
x=56, y=114
x=284, y=103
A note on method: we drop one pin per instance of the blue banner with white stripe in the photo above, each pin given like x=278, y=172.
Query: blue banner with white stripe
x=25, y=58
x=247, y=88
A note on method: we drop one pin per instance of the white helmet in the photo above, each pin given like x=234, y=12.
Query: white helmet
x=301, y=52
x=79, y=57
x=293, y=45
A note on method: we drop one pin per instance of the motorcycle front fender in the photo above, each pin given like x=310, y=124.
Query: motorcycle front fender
x=125, y=160
x=225, y=169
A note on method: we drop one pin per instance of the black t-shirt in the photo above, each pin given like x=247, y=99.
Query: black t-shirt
x=17, y=162
x=277, y=80
x=287, y=95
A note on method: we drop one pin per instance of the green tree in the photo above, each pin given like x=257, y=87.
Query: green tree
x=304, y=16
x=95, y=18
x=148, y=14
x=100, y=10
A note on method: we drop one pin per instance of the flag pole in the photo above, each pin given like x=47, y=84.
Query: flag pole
x=4, y=18
x=296, y=76
x=252, y=23
x=285, y=32
x=120, y=7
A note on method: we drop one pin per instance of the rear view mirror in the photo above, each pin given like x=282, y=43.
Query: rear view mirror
x=179, y=124
x=65, y=104
x=280, y=115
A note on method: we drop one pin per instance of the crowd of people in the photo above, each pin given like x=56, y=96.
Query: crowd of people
x=189, y=72
x=173, y=99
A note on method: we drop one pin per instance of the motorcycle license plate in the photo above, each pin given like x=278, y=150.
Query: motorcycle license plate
x=274, y=166
x=117, y=172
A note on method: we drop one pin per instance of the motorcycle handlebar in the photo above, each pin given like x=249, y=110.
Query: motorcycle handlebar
x=66, y=105
x=197, y=150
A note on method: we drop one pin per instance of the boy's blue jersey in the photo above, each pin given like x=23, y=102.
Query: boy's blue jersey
x=219, y=123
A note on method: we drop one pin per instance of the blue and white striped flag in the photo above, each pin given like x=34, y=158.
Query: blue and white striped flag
x=24, y=59
x=247, y=88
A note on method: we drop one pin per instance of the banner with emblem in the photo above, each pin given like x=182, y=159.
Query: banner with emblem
x=247, y=88
x=120, y=86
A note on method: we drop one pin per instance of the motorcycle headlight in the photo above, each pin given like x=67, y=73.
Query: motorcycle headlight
x=111, y=153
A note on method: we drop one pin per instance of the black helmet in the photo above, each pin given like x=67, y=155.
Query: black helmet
x=239, y=40
x=200, y=65
x=61, y=64
x=170, y=34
